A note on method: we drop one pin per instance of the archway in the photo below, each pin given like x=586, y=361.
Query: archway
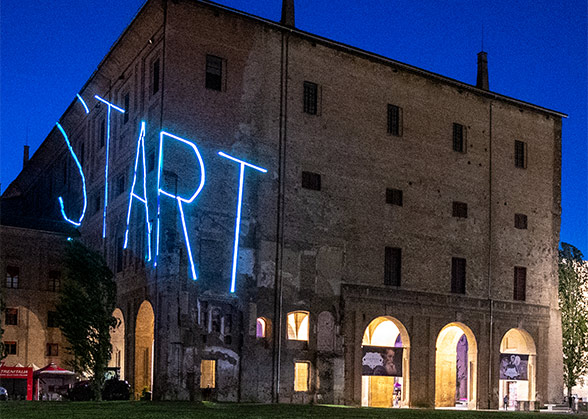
x=456, y=359
x=517, y=368
x=117, y=341
x=144, y=331
x=385, y=364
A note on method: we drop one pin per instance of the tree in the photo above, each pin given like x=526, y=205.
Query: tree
x=573, y=290
x=84, y=312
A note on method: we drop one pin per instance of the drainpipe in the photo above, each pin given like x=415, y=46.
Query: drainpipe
x=490, y=300
x=277, y=347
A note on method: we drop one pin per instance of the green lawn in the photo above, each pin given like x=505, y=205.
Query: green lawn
x=179, y=410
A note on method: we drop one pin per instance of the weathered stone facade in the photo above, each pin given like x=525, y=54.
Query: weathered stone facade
x=319, y=251
x=35, y=258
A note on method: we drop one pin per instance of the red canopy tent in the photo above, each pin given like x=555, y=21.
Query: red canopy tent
x=54, y=381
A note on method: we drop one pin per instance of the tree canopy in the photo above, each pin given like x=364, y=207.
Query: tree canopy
x=84, y=312
x=573, y=292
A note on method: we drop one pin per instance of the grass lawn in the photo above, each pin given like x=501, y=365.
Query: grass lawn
x=179, y=410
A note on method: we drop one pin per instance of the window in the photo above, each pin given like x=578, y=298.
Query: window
x=298, y=325
x=394, y=120
x=214, y=72
x=521, y=221
x=215, y=320
x=310, y=97
x=102, y=133
x=10, y=348
x=151, y=161
x=301, y=376
x=392, y=266
x=458, y=138
x=394, y=197
x=11, y=316
x=155, y=77
x=52, y=349
x=119, y=254
x=127, y=101
x=12, y=274
x=460, y=209
x=208, y=373
x=520, y=283
x=204, y=314
x=228, y=324
x=261, y=328
x=96, y=203
x=54, y=281
x=458, y=275
x=52, y=319
x=311, y=180
x=520, y=154
x=120, y=185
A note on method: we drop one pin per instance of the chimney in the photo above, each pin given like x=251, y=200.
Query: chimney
x=482, y=81
x=287, y=13
x=25, y=156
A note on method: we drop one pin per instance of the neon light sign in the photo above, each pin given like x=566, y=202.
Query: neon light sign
x=242, y=165
x=143, y=199
x=180, y=199
x=60, y=199
x=109, y=106
x=83, y=103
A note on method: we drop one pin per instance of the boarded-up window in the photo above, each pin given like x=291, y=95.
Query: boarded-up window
x=301, y=376
x=392, y=266
x=325, y=332
x=458, y=275
x=520, y=283
x=208, y=373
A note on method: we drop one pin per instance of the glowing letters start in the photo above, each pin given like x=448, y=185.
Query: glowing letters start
x=138, y=190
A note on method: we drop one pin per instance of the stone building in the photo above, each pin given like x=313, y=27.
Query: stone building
x=400, y=250
x=32, y=262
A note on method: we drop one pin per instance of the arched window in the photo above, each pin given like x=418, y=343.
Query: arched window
x=261, y=325
x=298, y=325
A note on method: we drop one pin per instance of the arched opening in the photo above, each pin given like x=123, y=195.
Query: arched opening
x=144, y=331
x=385, y=364
x=298, y=325
x=117, y=342
x=517, y=369
x=456, y=362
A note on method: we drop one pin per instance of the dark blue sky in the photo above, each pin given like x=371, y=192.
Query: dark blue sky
x=537, y=52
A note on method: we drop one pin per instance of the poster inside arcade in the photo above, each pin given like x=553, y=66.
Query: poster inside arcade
x=381, y=360
x=514, y=367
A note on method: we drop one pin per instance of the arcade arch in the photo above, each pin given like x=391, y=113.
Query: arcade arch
x=456, y=359
x=517, y=368
x=117, y=341
x=385, y=364
x=144, y=344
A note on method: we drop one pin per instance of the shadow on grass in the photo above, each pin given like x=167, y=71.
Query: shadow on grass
x=208, y=410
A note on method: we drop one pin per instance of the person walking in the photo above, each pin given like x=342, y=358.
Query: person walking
x=505, y=401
